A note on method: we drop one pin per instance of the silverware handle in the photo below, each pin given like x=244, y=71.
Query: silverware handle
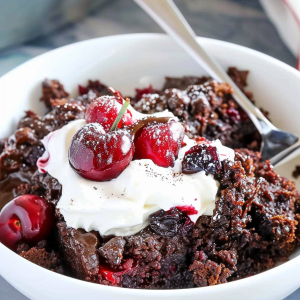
x=168, y=16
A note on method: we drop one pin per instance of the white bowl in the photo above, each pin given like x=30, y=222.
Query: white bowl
x=126, y=62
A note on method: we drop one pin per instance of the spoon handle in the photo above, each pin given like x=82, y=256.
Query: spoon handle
x=168, y=16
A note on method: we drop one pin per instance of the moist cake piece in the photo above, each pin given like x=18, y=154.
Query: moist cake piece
x=52, y=89
x=296, y=172
x=94, y=86
x=206, y=109
x=155, y=258
x=18, y=163
x=297, y=218
x=20, y=153
x=62, y=113
x=183, y=82
x=47, y=260
x=253, y=226
x=80, y=251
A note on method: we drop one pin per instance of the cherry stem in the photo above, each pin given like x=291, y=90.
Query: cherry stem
x=116, y=93
x=135, y=127
x=120, y=115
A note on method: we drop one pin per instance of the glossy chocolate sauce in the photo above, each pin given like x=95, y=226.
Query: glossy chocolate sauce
x=134, y=128
x=8, y=187
x=89, y=240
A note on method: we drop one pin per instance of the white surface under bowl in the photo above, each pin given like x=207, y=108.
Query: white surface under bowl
x=126, y=62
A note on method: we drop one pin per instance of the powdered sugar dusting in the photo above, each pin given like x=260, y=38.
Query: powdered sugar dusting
x=125, y=146
x=122, y=206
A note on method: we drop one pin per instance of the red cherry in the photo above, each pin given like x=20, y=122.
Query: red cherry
x=28, y=218
x=188, y=209
x=105, y=109
x=114, y=274
x=234, y=114
x=159, y=142
x=100, y=156
x=201, y=157
x=82, y=90
x=243, y=116
x=141, y=92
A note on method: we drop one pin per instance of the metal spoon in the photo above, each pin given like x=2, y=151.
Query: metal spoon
x=168, y=16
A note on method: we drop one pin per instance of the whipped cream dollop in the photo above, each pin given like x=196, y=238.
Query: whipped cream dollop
x=122, y=206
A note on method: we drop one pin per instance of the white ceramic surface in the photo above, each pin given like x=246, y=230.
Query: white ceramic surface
x=125, y=62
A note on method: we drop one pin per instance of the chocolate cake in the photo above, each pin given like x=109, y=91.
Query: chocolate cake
x=296, y=172
x=254, y=224
x=206, y=108
x=155, y=258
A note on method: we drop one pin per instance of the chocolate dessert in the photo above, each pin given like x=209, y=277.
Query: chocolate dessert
x=253, y=223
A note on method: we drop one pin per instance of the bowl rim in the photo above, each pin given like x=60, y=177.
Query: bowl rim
x=140, y=292
x=160, y=36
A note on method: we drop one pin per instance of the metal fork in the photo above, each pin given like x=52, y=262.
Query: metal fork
x=276, y=144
